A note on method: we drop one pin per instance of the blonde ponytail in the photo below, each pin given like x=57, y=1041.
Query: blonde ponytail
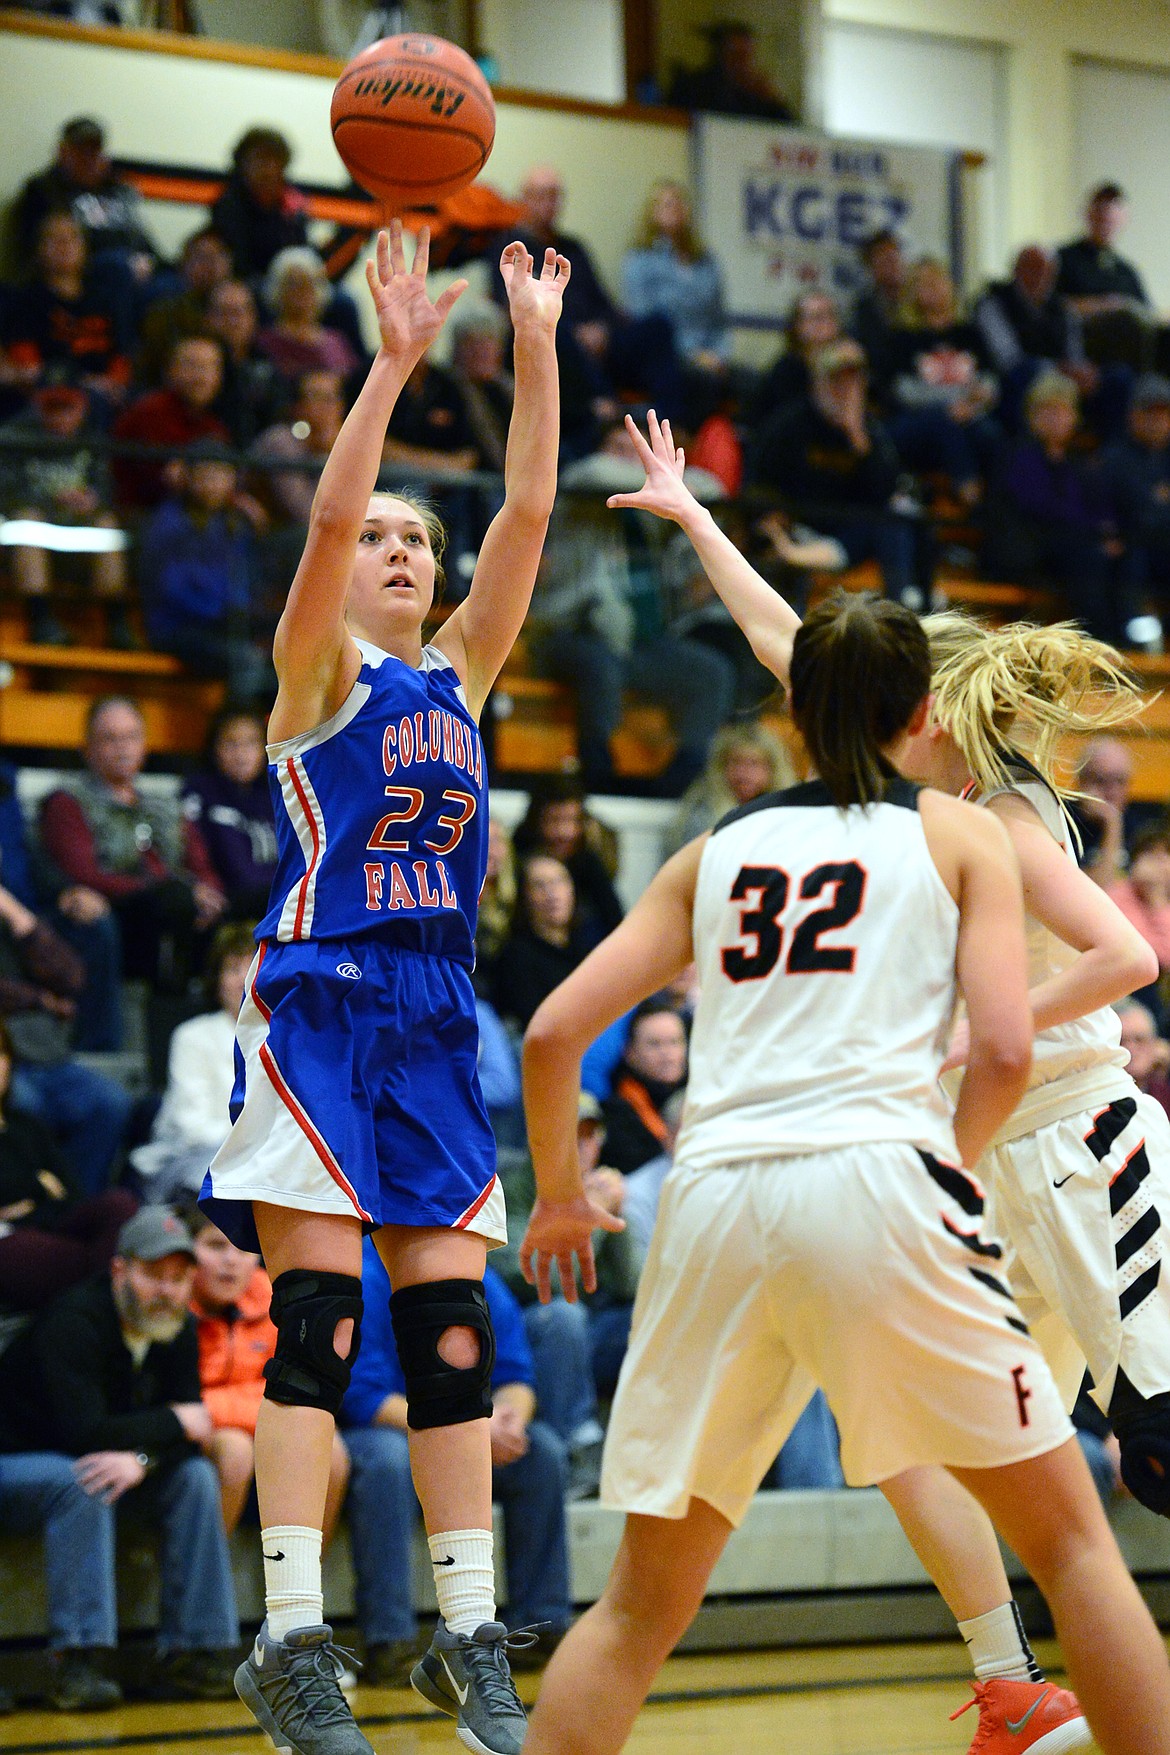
x=1023, y=688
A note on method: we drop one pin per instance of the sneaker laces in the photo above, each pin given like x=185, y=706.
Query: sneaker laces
x=487, y=1660
x=308, y=1685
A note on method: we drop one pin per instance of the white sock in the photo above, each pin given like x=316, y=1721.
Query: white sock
x=465, y=1579
x=292, y=1577
x=999, y=1646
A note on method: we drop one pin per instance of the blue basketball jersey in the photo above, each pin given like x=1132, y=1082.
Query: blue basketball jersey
x=381, y=814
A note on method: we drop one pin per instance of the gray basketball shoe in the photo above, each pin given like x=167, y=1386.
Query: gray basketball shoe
x=290, y=1687
x=466, y=1675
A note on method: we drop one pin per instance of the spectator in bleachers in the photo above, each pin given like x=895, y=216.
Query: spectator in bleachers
x=557, y=823
x=52, y=1233
x=835, y=461
x=197, y=569
x=102, y=1391
x=601, y=1062
x=259, y=213
x=178, y=415
x=230, y=801
x=731, y=81
x=204, y=263
x=941, y=389
x=1105, y=290
x=544, y=945
x=306, y=436
x=497, y=900
x=1136, y=472
x=230, y=1300
x=297, y=293
x=878, y=304
x=193, y=1122
x=82, y=181
x=577, y=1349
x=253, y=391
x=528, y=1480
x=1107, y=815
x=813, y=323
x=1143, y=895
x=40, y=979
x=63, y=322
x=652, y=1068
x=67, y=484
x=669, y=273
x=429, y=430
x=1026, y=324
x=746, y=761
x=1149, y=1053
x=612, y=350
x=82, y=917
x=1048, y=521
x=498, y=1065
x=134, y=848
x=598, y=624
x=478, y=333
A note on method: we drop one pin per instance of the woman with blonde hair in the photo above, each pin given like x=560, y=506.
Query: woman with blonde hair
x=746, y=761
x=669, y=273
x=942, y=387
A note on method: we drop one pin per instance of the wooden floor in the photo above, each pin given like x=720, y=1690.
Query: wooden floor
x=851, y=1700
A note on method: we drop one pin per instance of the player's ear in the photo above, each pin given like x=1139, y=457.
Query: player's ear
x=920, y=718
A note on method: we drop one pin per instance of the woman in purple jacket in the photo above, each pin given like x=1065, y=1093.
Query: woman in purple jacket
x=232, y=805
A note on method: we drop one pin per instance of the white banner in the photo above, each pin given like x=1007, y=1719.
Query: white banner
x=784, y=210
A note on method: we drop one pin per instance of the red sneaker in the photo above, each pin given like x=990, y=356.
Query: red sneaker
x=1019, y=1716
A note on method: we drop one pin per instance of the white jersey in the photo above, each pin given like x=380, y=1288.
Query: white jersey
x=825, y=942
x=1073, y=1065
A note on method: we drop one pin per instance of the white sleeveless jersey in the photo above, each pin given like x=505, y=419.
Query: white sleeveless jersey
x=825, y=942
x=1073, y=1065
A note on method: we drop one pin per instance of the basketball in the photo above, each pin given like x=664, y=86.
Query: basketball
x=413, y=119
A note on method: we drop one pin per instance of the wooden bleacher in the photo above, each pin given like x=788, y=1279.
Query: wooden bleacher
x=43, y=706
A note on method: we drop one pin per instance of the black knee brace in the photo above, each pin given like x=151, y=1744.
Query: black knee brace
x=1143, y=1432
x=438, y=1394
x=307, y=1371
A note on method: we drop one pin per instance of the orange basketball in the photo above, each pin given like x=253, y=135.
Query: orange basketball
x=413, y=119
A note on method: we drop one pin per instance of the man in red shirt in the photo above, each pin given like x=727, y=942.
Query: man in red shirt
x=177, y=415
x=135, y=848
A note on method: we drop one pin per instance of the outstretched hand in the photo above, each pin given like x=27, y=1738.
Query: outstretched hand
x=534, y=298
x=559, y=1231
x=407, y=320
x=664, y=491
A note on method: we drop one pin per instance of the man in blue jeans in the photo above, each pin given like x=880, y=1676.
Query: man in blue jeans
x=100, y=1408
x=528, y=1480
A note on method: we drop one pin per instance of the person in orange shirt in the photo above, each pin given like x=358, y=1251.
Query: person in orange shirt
x=1144, y=896
x=229, y=1301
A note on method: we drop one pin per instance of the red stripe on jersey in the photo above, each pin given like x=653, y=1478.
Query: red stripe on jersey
x=469, y=1213
x=303, y=898
x=303, y=1121
x=264, y=1011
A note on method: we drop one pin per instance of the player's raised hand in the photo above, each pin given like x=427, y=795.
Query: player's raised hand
x=562, y=1231
x=407, y=319
x=664, y=492
x=534, y=298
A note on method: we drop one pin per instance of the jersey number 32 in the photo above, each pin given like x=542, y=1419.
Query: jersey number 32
x=766, y=889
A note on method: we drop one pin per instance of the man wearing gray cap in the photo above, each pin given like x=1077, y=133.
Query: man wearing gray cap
x=100, y=1405
x=1136, y=471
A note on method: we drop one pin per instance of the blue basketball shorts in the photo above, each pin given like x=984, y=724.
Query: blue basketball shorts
x=357, y=1093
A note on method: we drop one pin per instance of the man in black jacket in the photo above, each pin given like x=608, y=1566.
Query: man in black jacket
x=835, y=466
x=100, y=1403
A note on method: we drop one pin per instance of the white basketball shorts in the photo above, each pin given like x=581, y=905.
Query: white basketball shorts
x=860, y=1269
x=1078, y=1205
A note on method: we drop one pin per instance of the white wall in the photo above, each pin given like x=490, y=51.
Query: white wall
x=1121, y=133
x=885, y=84
x=573, y=47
